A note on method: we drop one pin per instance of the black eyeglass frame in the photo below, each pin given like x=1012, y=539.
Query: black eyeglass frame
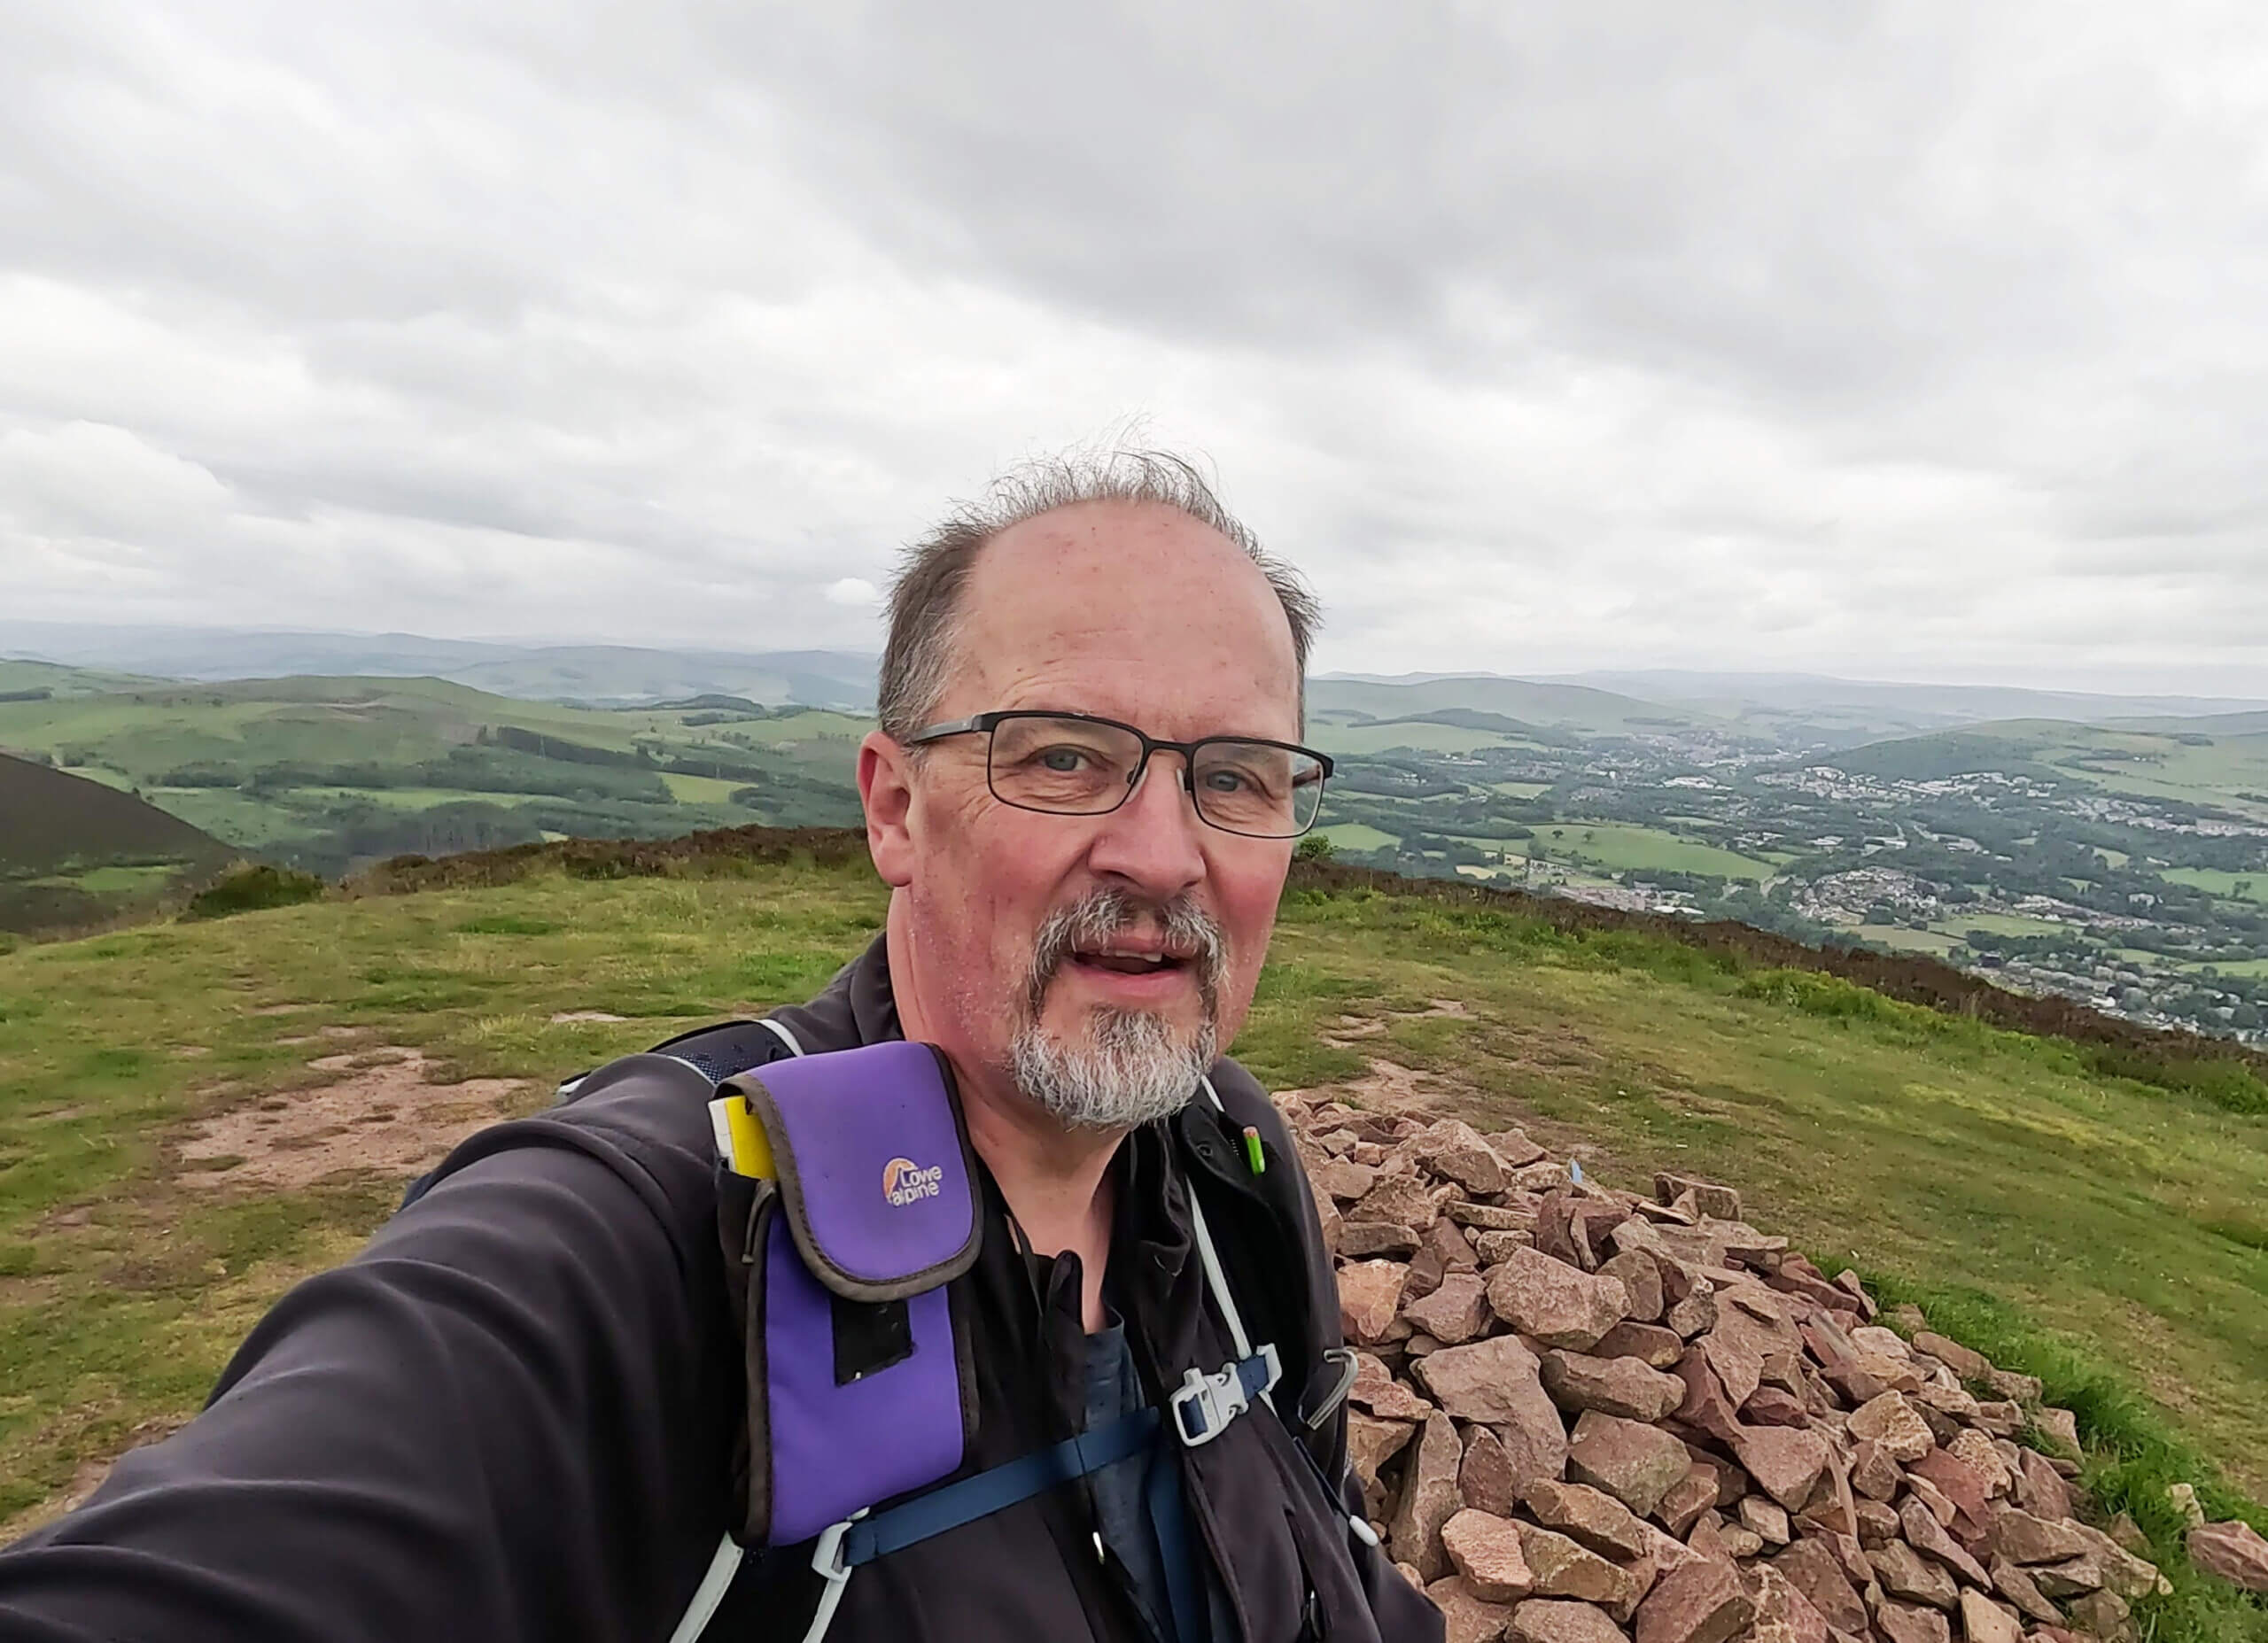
x=987, y=722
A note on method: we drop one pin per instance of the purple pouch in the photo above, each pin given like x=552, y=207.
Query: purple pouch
x=858, y=1382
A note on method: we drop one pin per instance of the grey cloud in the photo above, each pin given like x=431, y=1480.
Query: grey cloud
x=1847, y=337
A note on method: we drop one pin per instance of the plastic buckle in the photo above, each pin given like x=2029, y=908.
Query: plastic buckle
x=1328, y=1395
x=829, y=1564
x=1206, y=1404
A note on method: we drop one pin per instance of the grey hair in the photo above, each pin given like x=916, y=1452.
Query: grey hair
x=924, y=601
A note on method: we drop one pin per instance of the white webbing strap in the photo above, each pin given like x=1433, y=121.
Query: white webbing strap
x=709, y=1592
x=726, y=1563
x=783, y=1035
x=1218, y=1282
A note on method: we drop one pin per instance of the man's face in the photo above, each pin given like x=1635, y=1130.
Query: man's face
x=1030, y=937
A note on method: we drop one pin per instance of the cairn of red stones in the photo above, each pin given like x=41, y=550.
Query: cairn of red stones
x=1582, y=1416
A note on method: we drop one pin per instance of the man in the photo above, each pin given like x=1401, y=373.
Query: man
x=513, y=1416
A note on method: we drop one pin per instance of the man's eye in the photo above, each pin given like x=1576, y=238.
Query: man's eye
x=1063, y=760
x=1227, y=781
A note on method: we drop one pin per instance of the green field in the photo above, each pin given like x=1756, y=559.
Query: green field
x=1937, y=944
x=2125, y=1219
x=331, y=772
x=2221, y=883
x=1358, y=836
x=2161, y=761
x=1362, y=738
x=115, y=880
x=1618, y=847
x=2004, y=923
x=700, y=789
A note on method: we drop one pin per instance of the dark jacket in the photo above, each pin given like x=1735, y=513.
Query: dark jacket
x=512, y=1415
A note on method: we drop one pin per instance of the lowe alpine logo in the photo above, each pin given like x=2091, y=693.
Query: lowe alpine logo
x=904, y=1182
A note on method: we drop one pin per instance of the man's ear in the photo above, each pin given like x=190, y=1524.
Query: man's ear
x=886, y=791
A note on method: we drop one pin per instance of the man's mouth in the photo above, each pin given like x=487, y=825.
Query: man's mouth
x=1129, y=960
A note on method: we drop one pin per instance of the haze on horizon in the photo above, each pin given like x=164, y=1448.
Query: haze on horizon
x=1917, y=343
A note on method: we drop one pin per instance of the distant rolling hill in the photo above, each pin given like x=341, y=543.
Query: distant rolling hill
x=1811, y=707
x=1551, y=707
x=610, y=675
x=72, y=851
x=39, y=681
x=322, y=773
x=2221, y=761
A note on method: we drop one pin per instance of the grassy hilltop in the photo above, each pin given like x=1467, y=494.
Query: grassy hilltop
x=73, y=852
x=193, y=1115
x=326, y=773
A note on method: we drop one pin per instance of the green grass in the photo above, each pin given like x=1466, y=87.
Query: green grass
x=2220, y=883
x=701, y=789
x=1618, y=847
x=2083, y=1207
x=118, y=880
x=397, y=798
x=1937, y=943
x=2007, y=924
x=1358, y=836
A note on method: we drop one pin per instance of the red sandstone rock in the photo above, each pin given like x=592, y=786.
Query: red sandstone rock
x=1983, y=1621
x=1589, y=1516
x=1456, y=1311
x=1651, y=1343
x=2235, y=1550
x=1911, y=1623
x=1555, y=1303
x=1702, y=1602
x=1554, y=1620
x=1814, y=1570
x=1895, y=1425
x=1786, y=1464
x=1565, y=1569
x=1784, y=1614
x=1429, y=1499
x=1486, y=1551
x=1471, y=1618
x=1370, y=1296
x=1622, y=1386
x=1635, y=1463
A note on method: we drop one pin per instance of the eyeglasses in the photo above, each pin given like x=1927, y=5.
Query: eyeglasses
x=1074, y=764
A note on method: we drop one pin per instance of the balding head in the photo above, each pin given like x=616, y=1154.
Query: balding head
x=930, y=598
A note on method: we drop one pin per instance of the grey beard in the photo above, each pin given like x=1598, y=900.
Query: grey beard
x=1132, y=1068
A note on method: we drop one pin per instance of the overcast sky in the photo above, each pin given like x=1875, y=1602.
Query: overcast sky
x=1917, y=341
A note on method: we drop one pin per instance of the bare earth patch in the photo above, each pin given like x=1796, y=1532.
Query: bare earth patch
x=384, y=1117
x=566, y=1016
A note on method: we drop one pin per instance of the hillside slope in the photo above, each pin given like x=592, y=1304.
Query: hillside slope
x=2220, y=762
x=51, y=819
x=73, y=852
x=192, y=1115
x=326, y=772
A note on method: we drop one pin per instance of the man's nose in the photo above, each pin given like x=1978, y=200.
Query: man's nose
x=1154, y=840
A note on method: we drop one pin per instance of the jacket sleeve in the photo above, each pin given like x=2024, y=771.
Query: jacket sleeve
x=500, y=1421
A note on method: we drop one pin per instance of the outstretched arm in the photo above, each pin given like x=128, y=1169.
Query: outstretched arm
x=502, y=1420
